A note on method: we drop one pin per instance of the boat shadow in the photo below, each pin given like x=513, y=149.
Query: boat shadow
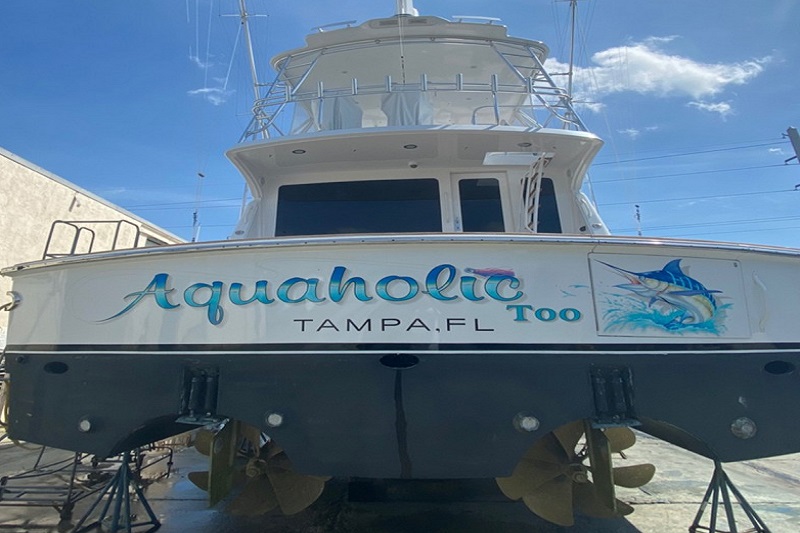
x=462, y=506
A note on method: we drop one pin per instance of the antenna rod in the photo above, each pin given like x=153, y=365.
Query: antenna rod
x=573, y=11
x=406, y=7
x=253, y=73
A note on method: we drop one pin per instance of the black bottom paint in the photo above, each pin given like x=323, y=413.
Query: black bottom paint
x=401, y=427
x=427, y=415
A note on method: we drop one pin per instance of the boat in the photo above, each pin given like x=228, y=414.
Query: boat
x=419, y=289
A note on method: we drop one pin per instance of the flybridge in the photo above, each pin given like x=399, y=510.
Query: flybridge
x=411, y=71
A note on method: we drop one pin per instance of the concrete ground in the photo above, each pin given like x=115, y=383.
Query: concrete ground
x=667, y=504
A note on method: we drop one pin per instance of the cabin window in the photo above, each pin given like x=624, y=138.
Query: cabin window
x=375, y=206
x=548, y=209
x=481, y=209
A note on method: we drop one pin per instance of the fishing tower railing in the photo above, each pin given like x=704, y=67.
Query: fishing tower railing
x=531, y=101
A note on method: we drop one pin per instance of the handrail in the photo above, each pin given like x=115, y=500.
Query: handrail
x=82, y=227
x=537, y=97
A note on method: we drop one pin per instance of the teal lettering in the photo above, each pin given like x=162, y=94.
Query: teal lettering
x=157, y=289
x=434, y=286
x=545, y=314
x=337, y=288
x=468, y=289
x=382, y=288
x=259, y=294
x=309, y=294
x=520, y=312
x=493, y=285
x=215, y=311
x=569, y=315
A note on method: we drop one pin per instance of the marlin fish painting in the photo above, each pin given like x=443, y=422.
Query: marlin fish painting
x=671, y=285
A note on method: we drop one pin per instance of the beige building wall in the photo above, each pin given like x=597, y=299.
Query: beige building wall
x=31, y=199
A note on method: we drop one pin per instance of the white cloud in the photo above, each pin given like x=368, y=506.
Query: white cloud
x=631, y=133
x=594, y=107
x=644, y=68
x=634, y=133
x=212, y=94
x=723, y=108
x=199, y=62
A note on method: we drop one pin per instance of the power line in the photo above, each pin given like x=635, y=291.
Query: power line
x=683, y=154
x=732, y=231
x=187, y=204
x=204, y=225
x=716, y=171
x=699, y=197
x=713, y=224
x=188, y=207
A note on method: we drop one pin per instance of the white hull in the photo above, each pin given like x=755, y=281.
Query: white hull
x=436, y=289
x=478, y=328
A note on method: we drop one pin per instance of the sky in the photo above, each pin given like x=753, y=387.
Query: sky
x=134, y=101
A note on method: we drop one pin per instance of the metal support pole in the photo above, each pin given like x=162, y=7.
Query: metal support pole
x=719, y=486
x=118, y=491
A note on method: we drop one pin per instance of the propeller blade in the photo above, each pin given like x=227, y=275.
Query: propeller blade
x=202, y=441
x=552, y=480
x=620, y=438
x=514, y=488
x=623, y=508
x=528, y=475
x=257, y=497
x=599, y=450
x=548, y=449
x=634, y=476
x=293, y=491
x=568, y=436
x=553, y=501
x=251, y=434
x=200, y=479
x=270, y=450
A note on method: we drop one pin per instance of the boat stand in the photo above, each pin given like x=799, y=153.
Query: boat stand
x=722, y=485
x=118, y=490
x=53, y=485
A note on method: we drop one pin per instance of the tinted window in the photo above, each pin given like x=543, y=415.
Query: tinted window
x=548, y=209
x=481, y=209
x=378, y=206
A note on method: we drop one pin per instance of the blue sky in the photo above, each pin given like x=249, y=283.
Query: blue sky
x=131, y=100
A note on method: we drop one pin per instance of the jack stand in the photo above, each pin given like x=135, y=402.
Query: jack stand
x=119, y=492
x=720, y=483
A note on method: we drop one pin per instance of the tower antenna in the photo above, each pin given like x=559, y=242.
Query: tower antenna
x=794, y=138
x=406, y=7
x=243, y=16
x=573, y=10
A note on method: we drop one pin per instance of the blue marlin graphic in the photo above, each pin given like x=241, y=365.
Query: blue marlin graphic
x=673, y=287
